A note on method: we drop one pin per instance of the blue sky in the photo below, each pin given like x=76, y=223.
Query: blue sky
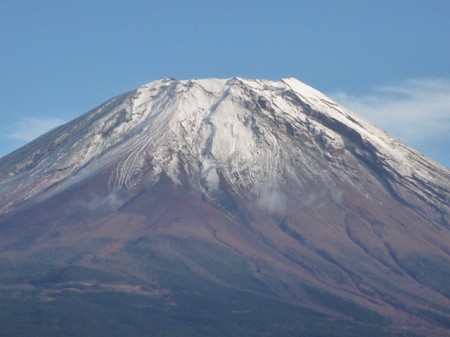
x=386, y=60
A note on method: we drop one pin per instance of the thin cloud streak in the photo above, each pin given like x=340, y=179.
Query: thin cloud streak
x=416, y=111
x=29, y=128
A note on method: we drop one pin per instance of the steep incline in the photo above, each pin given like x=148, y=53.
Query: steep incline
x=210, y=202
x=251, y=133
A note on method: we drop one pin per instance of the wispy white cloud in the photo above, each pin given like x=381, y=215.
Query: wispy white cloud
x=273, y=199
x=28, y=128
x=414, y=111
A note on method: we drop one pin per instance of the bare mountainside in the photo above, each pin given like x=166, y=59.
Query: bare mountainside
x=223, y=208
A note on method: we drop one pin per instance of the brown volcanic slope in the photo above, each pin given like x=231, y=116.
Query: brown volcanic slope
x=223, y=208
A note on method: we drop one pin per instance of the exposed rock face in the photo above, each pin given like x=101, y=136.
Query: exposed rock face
x=263, y=188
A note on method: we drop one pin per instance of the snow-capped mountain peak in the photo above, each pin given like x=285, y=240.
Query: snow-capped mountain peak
x=197, y=189
x=253, y=134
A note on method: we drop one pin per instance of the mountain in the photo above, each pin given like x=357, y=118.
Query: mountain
x=223, y=208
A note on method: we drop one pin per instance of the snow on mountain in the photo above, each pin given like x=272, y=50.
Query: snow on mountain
x=254, y=134
x=251, y=187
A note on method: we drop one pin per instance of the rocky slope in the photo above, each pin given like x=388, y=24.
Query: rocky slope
x=263, y=188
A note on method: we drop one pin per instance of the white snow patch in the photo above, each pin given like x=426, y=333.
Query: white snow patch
x=247, y=131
